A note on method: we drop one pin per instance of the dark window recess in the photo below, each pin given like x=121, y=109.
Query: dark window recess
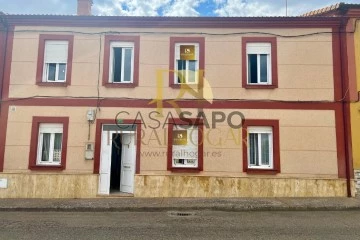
x=52, y=71
x=117, y=64
x=181, y=71
x=252, y=58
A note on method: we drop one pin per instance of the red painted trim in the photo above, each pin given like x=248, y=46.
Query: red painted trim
x=40, y=62
x=173, y=22
x=175, y=40
x=106, y=65
x=200, y=125
x=274, y=65
x=276, y=145
x=3, y=127
x=34, y=142
x=336, y=64
x=8, y=61
x=99, y=124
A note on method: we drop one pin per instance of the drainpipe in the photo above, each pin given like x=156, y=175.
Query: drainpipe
x=2, y=75
x=345, y=101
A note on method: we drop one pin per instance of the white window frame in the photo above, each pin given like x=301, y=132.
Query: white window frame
x=51, y=128
x=123, y=45
x=260, y=130
x=258, y=49
x=46, y=64
x=177, y=57
x=192, y=138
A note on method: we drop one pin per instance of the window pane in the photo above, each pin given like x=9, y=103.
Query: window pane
x=117, y=64
x=127, y=65
x=57, y=147
x=252, y=68
x=45, y=147
x=181, y=69
x=51, y=71
x=253, y=147
x=192, y=71
x=263, y=68
x=265, y=149
x=62, y=71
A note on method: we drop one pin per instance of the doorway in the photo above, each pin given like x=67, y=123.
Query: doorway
x=117, y=161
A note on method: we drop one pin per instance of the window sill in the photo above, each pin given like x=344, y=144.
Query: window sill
x=177, y=86
x=184, y=170
x=262, y=171
x=52, y=84
x=120, y=85
x=248, y=86
x=47, y=167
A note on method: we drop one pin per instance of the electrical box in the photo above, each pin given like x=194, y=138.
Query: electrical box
x=89, y=151
x=90, y=115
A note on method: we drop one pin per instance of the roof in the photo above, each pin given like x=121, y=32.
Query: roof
x=332, y=10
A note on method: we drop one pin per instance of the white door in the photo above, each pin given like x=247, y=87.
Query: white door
x=128, y=162
x=105, y=162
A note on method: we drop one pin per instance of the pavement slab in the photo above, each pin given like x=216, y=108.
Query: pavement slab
x=180, y=204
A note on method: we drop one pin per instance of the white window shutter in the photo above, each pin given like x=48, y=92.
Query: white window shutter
x=258, y=48
x=56, y=51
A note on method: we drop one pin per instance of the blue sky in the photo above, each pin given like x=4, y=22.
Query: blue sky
x=169, y=7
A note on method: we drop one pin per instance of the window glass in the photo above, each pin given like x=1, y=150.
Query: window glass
x=127, y=64
x=185, y=146
x=117, y=62
x=45, y=147
x=252, y=68
x=51, y=71
x=62, y=71
x=263, y=68
x=121, y=62
x=260, y=147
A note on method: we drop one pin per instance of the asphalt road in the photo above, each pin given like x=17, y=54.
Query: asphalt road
x=162, y=225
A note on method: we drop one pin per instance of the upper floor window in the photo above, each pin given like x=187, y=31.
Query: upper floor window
x=55, y=60
x=187, y=60
x=186, y=63
x=121, y=61
x=259, y=62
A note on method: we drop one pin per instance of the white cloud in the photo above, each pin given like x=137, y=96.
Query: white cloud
x=149, y=7
x=132, y=7
x=183, y=8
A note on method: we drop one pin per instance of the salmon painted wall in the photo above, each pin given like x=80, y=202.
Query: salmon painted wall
x=307, y=141
x=305, y=64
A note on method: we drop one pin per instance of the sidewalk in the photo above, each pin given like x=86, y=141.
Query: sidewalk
x=179, y=204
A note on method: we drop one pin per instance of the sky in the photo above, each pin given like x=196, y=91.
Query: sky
x=169, y=7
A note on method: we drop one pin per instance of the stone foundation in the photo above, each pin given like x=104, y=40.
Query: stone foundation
x=204, y=186
x=26, y=185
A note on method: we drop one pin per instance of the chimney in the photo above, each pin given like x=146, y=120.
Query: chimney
x=84, y=7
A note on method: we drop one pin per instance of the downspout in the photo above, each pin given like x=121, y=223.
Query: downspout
x=2, y=76
x=345, y=101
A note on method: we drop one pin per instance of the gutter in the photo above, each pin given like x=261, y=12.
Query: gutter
x=345, y=102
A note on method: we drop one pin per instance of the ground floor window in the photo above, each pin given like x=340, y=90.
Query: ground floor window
x=261, y=146
x=185, y=146
x=48, y=146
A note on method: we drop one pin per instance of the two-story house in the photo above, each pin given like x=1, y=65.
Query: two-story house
x=172, y=107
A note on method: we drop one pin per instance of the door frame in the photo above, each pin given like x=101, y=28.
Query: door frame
x=97, y=153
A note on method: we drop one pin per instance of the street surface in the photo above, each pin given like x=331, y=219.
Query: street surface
x=164, y=225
